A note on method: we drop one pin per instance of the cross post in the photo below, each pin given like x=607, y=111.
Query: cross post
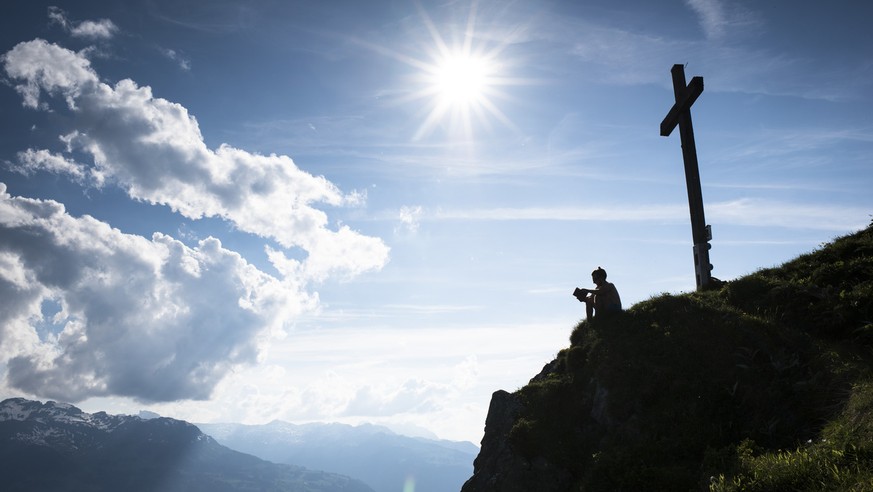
x=680, y=114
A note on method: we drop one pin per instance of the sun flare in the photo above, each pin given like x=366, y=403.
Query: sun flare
x=461, y=86
x=458, y=83
x=461, y=79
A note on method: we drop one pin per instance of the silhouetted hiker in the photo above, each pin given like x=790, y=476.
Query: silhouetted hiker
x=603, y=300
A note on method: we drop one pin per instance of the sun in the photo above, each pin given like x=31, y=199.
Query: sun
x=462, y=79
x=457, y=80
x=459, y=87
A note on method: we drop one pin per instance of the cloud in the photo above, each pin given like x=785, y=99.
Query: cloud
x=586, y=213
x=58, y=16
x=712, y=16
x=618, y=56
x=183, y=62
x=30, y=161
x=744, y=211
x=99, y=29
x=791, y=148
x=412, y=396
x=147, y=318
x=771, y=213
x=731, y=55
x=35, y=63
x=410, y=219
x=153, y=149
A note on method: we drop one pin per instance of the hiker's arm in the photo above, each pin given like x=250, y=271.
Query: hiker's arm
x=596, y=290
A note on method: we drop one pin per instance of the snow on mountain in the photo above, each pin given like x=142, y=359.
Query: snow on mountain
x=61, y=413
x=56, y=446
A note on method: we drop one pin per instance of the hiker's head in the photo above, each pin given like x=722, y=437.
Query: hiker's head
x=598, y=275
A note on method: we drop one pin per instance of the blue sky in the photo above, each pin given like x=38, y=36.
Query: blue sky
x=247, y=211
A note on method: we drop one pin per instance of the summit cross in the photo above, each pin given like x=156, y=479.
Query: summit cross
x=680, y=114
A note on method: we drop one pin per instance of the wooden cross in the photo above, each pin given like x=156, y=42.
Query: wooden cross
x=680, y=114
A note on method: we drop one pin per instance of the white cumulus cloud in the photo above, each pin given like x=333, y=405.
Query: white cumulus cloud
x=147, y=318
x=90, y=311
x=99, y=29
x=153, y=149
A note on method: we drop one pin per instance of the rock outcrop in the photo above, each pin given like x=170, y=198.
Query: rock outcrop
x=499, y=466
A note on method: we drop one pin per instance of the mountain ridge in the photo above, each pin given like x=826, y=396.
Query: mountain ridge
x=765, y=383
x=381, y=458
x=56, y=446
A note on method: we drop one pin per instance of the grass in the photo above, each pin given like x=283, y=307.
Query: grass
x=763, y=384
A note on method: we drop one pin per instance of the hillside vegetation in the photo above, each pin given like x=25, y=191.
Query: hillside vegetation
x=763, y=384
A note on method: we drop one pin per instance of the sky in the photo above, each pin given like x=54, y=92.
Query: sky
x=344, y=211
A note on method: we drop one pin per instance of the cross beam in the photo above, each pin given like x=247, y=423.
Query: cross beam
x=680, y=114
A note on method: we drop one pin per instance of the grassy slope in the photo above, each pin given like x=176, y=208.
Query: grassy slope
x=763, y=384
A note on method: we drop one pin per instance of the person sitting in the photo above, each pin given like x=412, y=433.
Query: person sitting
x=601, y=301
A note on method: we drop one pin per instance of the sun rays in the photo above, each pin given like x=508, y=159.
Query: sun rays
x=457, y=84
x=460, y=82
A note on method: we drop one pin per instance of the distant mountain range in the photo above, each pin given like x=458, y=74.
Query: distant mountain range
x=57, y=447
x=385, y=461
